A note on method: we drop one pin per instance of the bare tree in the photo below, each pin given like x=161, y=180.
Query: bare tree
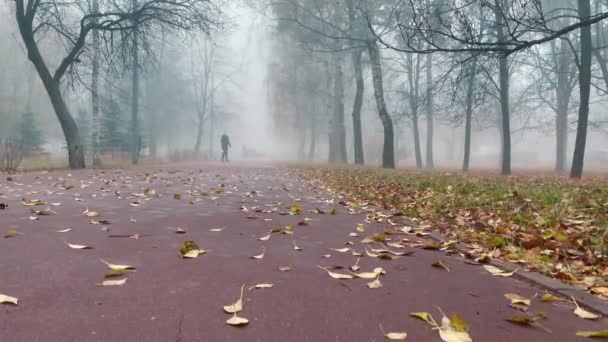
x=37, y=17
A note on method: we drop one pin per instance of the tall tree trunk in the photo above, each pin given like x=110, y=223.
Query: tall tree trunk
x=135, y=134
x=360, y=85
x=468, y=117
x=563, y=93
x=429, y=111
x=51, y=85
x=414, y=86
x=584, y=11
x=357, y=106
x=504, y=93
x=388, y=149
x=95, y=92
x=339, y=128
x=331, y=141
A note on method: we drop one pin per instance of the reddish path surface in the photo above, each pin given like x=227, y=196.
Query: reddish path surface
x=172, y=299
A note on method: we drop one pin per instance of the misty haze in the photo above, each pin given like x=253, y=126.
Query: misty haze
x=303, y=170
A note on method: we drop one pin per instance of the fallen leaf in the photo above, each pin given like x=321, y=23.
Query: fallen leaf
x=355, y=267
x=547, y=297
x=582, y=313
x=601, y=333
x=73, y=246
x=393, y=335
x=497, y=271
x=425, y=316
x=440, y=264
x=517, y=299
x=376, y=284
x=450, y=333
x=217, y=229
x=194, y=253
x=91, y=214
x=237, y=306
x=261, y=286
x=260, y=256
x=4, y=299
x=64, y=230
x=118, y=267
x=180, y=231
x=284, y=268
x=177, y=196
x=265, y=238
x=523, y=320
x=295, y=247
x=237, y=321
x=187, y=247
x=10, y=233
x=118, y=282
x=360, y=228
x=337, y=275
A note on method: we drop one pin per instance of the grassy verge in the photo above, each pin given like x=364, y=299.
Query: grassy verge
x=553, y=225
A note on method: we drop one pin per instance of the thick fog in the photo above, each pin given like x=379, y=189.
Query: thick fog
x=280, y=79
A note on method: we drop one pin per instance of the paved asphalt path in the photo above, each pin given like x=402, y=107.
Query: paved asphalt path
x=172, y=299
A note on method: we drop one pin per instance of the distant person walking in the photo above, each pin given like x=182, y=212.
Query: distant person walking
x=225, y=146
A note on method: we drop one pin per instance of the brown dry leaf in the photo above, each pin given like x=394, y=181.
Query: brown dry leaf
x=4, y=299
x=337, y=275
x=237, y=321
x=74, y=246
x=177, y=196
x=237, y=306
x=260, y=256
x=393, y=335
x=118, y=282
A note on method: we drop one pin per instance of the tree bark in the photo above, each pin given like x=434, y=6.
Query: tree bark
x=429, y=111
x=357, y=106
x=563, y=94
x=584, y=11
x=468, y=117
x=360, y=85
x=338, y=121
x=95, y=92
x=51, y=85
x=388, y=150
x=135, y=135
x=414, y=85
x=504, y=93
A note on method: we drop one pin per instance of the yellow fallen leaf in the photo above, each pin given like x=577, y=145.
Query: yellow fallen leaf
x=601, y=333
x=118, y=267
x=237, y=321
x=10, y=233
x=4, y=299
x=582, y=313
x=194, y=253
x=237, y=306
x=360, y=228
x=449, y=333
x=118, y=282
x=337, y=275
x=188, y=246
x=34, y=202
x=393, y=335
x=265, y=238
x=260, y=256
x=91, y=213
x=425, y=316
x=73, y=246
x=261, y=286
x=547, y=297
x=366, y=275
